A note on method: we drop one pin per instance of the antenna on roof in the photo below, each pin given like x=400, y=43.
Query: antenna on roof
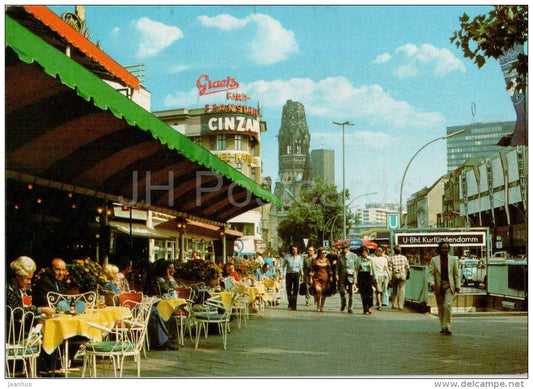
x=473, y=111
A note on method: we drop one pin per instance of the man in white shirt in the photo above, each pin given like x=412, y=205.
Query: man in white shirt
x=382, y=274
x=292, y=268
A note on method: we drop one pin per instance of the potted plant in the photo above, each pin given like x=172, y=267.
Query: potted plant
x=85, y=275
x=198, y=270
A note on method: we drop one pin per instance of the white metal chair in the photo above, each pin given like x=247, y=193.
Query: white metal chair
x=126, y=343
x=182, y=315
x=213, y=311
x=241, y=306
x=23, y=342
x=88, y=298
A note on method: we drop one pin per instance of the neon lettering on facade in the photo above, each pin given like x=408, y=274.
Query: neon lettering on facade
x=233, y=123
x=229, y=108
x=207, y=87
x=237, y=96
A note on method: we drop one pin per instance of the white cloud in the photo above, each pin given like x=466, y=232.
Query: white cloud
x=223, y=21
x=334, y=98
x=178, y=68
x=442, y=60
x=406, y=71
x=375, y=140
x=382, y=58
x=115, y=30
x=155, y=36
x=271, y=43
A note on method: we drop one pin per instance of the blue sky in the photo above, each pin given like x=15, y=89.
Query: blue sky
x=390, y=70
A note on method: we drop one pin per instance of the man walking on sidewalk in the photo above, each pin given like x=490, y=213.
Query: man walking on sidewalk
x=444, y=281
x=345, y=276
x=292, y=268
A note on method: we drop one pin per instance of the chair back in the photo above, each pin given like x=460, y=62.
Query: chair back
x=26, y=299
x=129, y=299
x=184, y=292
x=138, y=324
x=23, y=340
x=87, y=298
x=20, y=323
x=229, y=283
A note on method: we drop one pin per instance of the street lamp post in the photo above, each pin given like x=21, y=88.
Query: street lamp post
x=334, y=218
x=411, y=160
x=346, y=123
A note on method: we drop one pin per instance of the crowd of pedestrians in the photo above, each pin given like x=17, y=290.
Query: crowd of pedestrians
x=320, y=274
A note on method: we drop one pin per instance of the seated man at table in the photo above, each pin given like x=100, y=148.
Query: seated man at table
x=53, y=279
x=264, y=272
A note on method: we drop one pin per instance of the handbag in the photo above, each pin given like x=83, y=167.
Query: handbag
x=302, y=290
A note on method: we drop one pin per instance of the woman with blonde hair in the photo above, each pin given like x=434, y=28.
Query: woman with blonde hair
x=111, y=272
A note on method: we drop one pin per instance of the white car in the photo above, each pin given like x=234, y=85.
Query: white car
x=467, y=271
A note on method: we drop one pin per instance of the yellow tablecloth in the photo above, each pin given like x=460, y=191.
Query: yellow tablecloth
x=258, y=290
x=57, y=329
x=225, y=297
x=166, y=307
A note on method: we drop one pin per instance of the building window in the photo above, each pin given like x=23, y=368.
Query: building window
x=198, y=140
x=253, y=173
x=221, y=142
x=238, y=142
x=238, y=166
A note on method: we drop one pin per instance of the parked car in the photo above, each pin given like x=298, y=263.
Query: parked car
x=480, y=275
x=467, y=270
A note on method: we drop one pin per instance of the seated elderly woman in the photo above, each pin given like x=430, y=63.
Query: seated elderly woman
x=19, y=284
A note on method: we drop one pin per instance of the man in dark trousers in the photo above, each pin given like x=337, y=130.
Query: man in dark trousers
x=292, y=268
x=345, y=276
x=53, y=279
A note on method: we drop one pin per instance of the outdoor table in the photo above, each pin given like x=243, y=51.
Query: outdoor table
x=60, y=328
x=256, y=291
x=225, y=297
x=166, y=307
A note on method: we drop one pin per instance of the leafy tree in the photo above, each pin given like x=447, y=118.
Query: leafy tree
x=491, y=35
x=316, y=211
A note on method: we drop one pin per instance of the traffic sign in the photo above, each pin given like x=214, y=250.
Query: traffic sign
x=325, y=244
x=393, y=221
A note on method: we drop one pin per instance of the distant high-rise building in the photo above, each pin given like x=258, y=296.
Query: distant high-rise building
x=478, y=140
x=323, y=165
x=376, y=213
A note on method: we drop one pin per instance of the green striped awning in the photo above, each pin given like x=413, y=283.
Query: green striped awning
x=65, y=126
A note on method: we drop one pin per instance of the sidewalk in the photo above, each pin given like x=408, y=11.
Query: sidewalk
x=306, y=343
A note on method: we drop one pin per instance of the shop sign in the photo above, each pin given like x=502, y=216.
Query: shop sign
x=231, y=108
x=230, y=123
x=235, y=157
x=432, y=239
x=237, y=96
x=206, y=86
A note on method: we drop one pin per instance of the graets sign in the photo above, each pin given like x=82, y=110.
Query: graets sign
x=432, y=239
x=206, y=86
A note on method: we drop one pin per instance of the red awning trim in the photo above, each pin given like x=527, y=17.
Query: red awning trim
x=77, y=40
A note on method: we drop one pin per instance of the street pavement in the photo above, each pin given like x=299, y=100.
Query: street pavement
x=389, y=343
